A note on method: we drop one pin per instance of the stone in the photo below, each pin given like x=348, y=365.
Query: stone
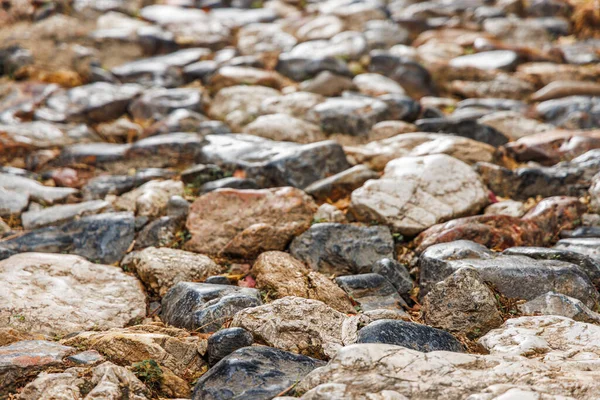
x=415, y=193
x=168, y=150
x=61, y=213
x=33, y=189
x=229, y=183
x=260, y=38
x=100, y=186
x=462, y=303
x=244, y=223
x=586, y=246
x=12, y=202
x=535, y=277
x=412, y=76
x=205, y=307
x=239, y=105
x=511, y=208
x=377, y=154
x=260, y=373
x=88, y=357
x=351, y=116
x=200, y=174
x=283, y=127
x=376, y=85
x=572, y=112
x=295, y=324
x=106, y=380
x=559, y=89
x=539, y=227
x=225, y=342
x=327, y=84
x=513, y=124
x=274, y=164
x=340, y=185
x=397, y=274
x=53, y=294
x=410, y=335
x=184, y=120
x=172, y=348
x=497, y=59
x=340, y=249
x=387, y=129
x=281, y=275
x=468, y=128
x=103, y=238
x=41, y=135
x=229, y=76
x=150, y=199
x=329, y=213
x=371, y=292
x=156, y=104
x=301, y=67
x=161, y=268
x=553, y=303
x=161, y=232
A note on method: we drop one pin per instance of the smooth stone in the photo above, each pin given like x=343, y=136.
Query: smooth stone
x=463, y=127
x=156, y=104
x=412, y=76
x=410, y=335
x=226, y=341
x=587, y=246
x=12, y=202
x=185, y=120
x=88, y=357
x=487, y=60
x=511, y=208
x=150, y=199
x=300, y=68
x=229, y=183
x=352, y=116
x=372, y=84
x=371, y=292
x=572, y=112
x=33, y=189
x=261, y=373
x=513, y=124
x=340, y=249
x=283, y=127
x=62, y=213
x=559, y=89
x=553, y=303
x=205, y=307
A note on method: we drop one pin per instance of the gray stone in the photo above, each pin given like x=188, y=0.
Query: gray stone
x=341, y=249
x=35, y=190
x=408, y=334
x=62, y=213
x=397, y=274
x=352, y=116
x=341, y=184
x=226, y=341
x=468, y=128
x=156, y=104
x=553, y=303
x=587, y=246
x=205, y=307
x=12, y=202
x=572, y=112
x=497, y=59
x=371, y=292
x=86, y=357
x=99, y=187
x=231, y=182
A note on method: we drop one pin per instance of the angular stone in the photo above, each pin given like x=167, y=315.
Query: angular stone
x=415, y=193
x=61, y=213
x=35, y=190
x=261, y=373
x=239, y=105
x=412, y=76
x=226, y=341
x=88, y=357
x=273, y=164
x=156, y=104
x=103, y=238
x=244, y=223
x=498, y=59
x=329, y=213
x=12, y=202
x=22, y=361
x=376, y=85
x=352, y=116
x=517, y=277
x=572, y=112
x=408, y=334
x=283, y=127
x=462, y=303
x=468, y=128
x=342, y=184
x=586, y=246
x=295, y=324
x=397, y=274
x=205, y=307
x=229, y=183
x=150, y=199
x=553, y=303
x=161, y=268
x=40, y=135
x=53, y=294
x=507, y=207
x=371, y=292
x=99, y=187
x=340, y=249
x=200, y=174
x=184, y=120
x=282, y=275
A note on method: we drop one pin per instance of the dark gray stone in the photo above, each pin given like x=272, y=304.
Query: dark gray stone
x=156, y=104
x=572, y=112
x=408, y=334
x=342, y=184
x=159, y=233
x=231, y=183
x=352, y=116
x=253, y=373
x=300, y=68
x=171, y=149
x=397, y=274
x=99, y=187
x=463, y=127
x=342, y=249
x=217, y=280
x=514, y=276
x=226, y=341
x=12, y=58
x=412, y=76
x=371, y=291
x=401, y=107
x=204, y=307
x=200, y=174
x=184, y=120
x=103, y=238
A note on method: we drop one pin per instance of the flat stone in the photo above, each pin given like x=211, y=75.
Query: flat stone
x=261, y=373
x=462, y=303
x=283, y=127
x=371, y=292
x=415, y=193
x=156, y=104
x=327, y=84
x=387, y=129
x=374, y=85
x=103, y=238
x=264, y=220
x=410, y=335
x=184, y=120
x=281, y=275
x=57, y=294
x=397, y=274
x=342, y=184
x=301, y=67
x=239, y=105
x=61, y=213
x=161, y=268
x=12, y=202
x=228, y=76
x=553, y=303
x=35, y=190
x=572, y=112
x=511, y=208
x=352, y=116
x=340, y=249
x=463, y=127
x=329, y=213
x=559, y=89
x=205, y=307
x=150, y=199
x=534, y=277
x=99, y=187
x=412, y=76
x=88, y=357
x=586, y=246
x=513, y=124
x=41, y=135
x=296, y=104
x=498, y=59
x=200, y=174
x=226, y=341
x=229, y=183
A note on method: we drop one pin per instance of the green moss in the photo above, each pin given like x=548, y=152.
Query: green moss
x=149, y=372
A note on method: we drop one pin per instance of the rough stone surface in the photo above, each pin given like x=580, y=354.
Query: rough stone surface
x=371, y=292
x=150, y=199
x=225, y=342
x=35, y=190
x=53, y=294
x=553, y=303
x=244, y=223
x=61, y=213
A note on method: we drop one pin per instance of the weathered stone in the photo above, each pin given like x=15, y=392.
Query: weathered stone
x=156, y=104
x=342, y=184
x=200, y=174
x=35, y=190
x=150, y=199
x=159, y=233
x=387, y=129
x=55, y=294
x=183, y=120
x=397, y=274
x=539, y=227
x=239, y=105
x=586, y=246
x=88, y=357
x=283, y=127
x=371, y=292
x=40, y=135
x=173, y=348
x=226, y=341
x=103, y=238
x=412, y=76
x=553, y=303
x=352, y=116
x=205, y=307
x=329, y=213
x=415, y=193
x=534, y=277
x=498, y=59
x=61, y=213
x=273, y=164
x=161, y=268
x=12, y=202
x=260, y=373
x=22, y=361
x=468, y=128
x=408, y=334
x=340, y=249
x=99, y=187
x=296, y=324
x=511, y=208
x=462, y=303
x=376, y=85
x=295, y=104
x=244, y=223
x=513, y=124
x=282, y=275
x=572, y=112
